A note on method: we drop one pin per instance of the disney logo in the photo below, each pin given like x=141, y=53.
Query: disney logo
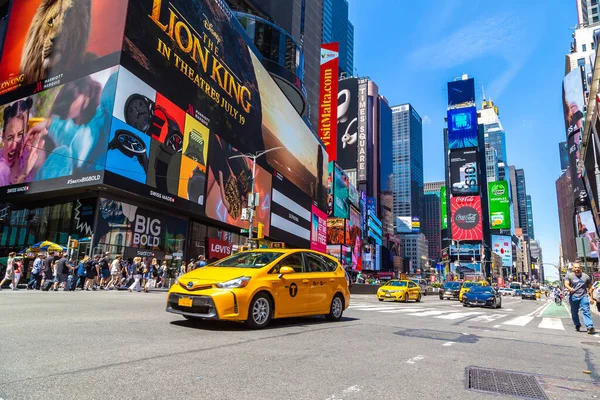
x=209, y=27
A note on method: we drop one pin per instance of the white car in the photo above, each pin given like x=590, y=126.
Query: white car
x=507, y=292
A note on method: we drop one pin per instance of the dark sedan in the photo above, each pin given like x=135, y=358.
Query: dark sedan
x=528, y=294
x=451, y=290
x=483, y=296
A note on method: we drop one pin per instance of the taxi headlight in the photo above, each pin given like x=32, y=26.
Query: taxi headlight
x=240, y=282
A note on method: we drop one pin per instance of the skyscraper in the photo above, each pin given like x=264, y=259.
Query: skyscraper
x=431, y=224
x=587, y=12
x=519, y=196
x=407, y=152
x=491, y=164
x=433, y=187
x=530, y=218
x=495, y=137
x=337, y=28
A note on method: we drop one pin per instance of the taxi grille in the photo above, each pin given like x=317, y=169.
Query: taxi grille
x=200, y=305
x=193, y=289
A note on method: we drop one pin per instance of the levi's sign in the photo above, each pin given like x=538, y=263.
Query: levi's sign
x=218, y=248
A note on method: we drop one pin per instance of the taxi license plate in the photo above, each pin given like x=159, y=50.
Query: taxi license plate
x=388, y=295
x=185, y=302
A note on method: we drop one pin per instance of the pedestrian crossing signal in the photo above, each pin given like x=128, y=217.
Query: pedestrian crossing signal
x=260, y=234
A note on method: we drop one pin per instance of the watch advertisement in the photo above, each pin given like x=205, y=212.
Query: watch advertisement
x=122, y=225
x=502, y=245
x=128, y=151
x=463, y=172
x=318, y=236
x=290, y=213
x=57, y=138
x=230, y=182
x=47, y=39
x=194, y=52
x=466, y=218
x=462, y=128
x=347, y=142
x=499, y=205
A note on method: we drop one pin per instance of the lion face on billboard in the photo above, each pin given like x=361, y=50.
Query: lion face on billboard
x=57, y=38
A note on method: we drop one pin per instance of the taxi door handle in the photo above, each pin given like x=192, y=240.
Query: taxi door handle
x=305, y=280
x=332, y=280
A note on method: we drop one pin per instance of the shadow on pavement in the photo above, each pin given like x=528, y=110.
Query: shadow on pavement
x=212, y=325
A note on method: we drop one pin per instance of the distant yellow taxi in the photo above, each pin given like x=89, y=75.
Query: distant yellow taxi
x=257, y=286
x=467, y=285
x=402, y=290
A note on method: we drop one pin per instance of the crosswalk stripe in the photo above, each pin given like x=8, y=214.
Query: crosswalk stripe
x=407, y=310
x=372, y=308
x=488, y=318
x=552, y=323
x=458, y=315
x=428, y=313
x=519, y=321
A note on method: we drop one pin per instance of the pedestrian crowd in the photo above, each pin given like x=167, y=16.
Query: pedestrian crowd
x=56, y=271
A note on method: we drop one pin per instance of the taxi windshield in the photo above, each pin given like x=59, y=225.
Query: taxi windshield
x=250, y=259
x=396, y=283
x=452, y=285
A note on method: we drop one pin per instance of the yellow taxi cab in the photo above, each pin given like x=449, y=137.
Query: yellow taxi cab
x=467, y=285
x=399, y=290
x=256, y=286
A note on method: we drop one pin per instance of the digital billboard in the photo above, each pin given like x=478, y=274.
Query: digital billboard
x=563, y=152
x=573, y=107
x=415, y=225
x=230, y=182
x=194, y=53
x=464, y=172
x=337, y=232
x=318, y=235
x=59, y=41
x=502, y=245
x=291, y=213
x=444, y=207
x=341, y=187
x=363, y=125
x=57, y=138
x=347, y=143
x=462, y=128
x=461, y=92
x=466, y=218
x=403, y=224
x=585, y=228
x=327, y=94
x=498, y=195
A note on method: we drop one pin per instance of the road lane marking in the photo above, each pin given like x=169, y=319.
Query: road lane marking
x=488, y=318
x=448, y=344
x=552, y=323
x=346, y=393
x=415, y=359
x=428, y=313
x=519, y=321
x=540, y=309
x=496, y=326
x=458, y=315
x=407, y=310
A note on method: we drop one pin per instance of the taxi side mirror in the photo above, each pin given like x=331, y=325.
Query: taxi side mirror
x=285, y=271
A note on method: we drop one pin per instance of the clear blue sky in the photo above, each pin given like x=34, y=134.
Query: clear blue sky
x=516, y=49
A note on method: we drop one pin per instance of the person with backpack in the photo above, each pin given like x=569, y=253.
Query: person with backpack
x=10, y=269
x=36, y=273
x=104, y=265
x=81, y=272
x=138, y=271
x=91, y=272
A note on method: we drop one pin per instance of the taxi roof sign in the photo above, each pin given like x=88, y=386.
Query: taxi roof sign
x=278, y=245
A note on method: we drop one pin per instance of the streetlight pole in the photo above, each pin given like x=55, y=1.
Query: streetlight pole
x=253, y=157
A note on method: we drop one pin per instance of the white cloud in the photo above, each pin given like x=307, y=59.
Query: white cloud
x=426, y=120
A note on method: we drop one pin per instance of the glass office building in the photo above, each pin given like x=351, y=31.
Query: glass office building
x=337, y=28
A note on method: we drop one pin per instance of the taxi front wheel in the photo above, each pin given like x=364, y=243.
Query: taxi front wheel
x=336, y=309
x=260, y=312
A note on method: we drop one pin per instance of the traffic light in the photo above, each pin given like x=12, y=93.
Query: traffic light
x=73, y=244
x=261, y=234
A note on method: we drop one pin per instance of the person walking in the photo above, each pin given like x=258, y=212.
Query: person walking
x=36, y=273
x=595, y=294
x=82, y=272
x=115, y=273
x=104, y=265
x=579, y=286
x=152, y=274
x=10, y=269
x=63, y=267
x=47, y=271
x=18, y=270
x=91, y=272
x=138, y=270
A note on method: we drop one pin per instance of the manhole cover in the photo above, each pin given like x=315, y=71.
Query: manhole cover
x=505, y=382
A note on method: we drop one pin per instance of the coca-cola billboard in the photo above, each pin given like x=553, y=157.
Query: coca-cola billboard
x=466, y=218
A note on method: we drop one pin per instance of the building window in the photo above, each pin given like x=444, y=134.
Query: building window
x=581, y=62
x=596, y=19
x=584, y=47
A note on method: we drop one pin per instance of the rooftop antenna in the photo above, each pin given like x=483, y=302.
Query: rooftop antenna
x=483, y=91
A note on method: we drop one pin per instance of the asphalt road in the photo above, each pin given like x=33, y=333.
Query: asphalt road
x=117, y=345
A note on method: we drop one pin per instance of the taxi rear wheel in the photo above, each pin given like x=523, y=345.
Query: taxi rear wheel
x=259, y=312
x=419, y=298
x=336, y=309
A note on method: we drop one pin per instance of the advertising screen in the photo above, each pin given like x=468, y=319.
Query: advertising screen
x=59, y=41
x=404, y=224
x=444, y=207
x=466, y=218
x=585, y=228
x=337, y=232
x=127, y=227
x=464, y=172
x=193, y=52
x=291, y=213
x=462, y=128
x=318, y=235
x=415, y=225
x=229, y=183
x=347, y=144
x=328, y=91
x=341, y=186
x=499, y=205
x=57, y=138
x=353, y=195
x=502, y=245
x=563, y=152
x=461, y=92
x=573, y=106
